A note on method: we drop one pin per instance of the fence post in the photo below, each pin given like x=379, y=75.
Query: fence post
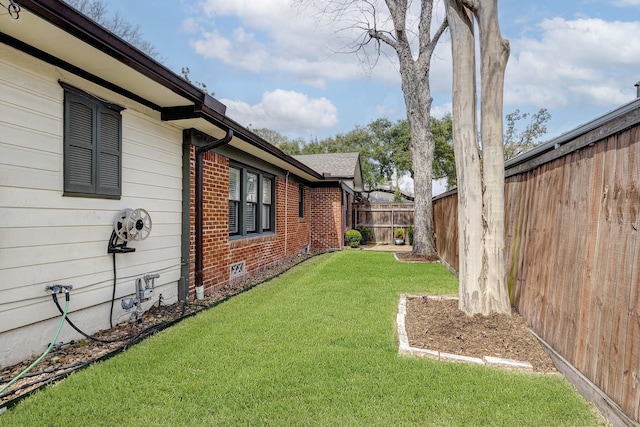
x=393, y=220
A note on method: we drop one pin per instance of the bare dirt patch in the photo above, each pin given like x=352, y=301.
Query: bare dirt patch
x=437, y=324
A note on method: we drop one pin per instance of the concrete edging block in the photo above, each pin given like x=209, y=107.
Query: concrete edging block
x=460, y=359
x=508, y=363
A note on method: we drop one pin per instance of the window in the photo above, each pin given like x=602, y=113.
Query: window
x=251, y=207
x=301, y=201
x=251, y=215
x=92, y=146
x=266, y=205
x=234, y=199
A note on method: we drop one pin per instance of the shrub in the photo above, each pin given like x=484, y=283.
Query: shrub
x=398, y=233
x=365, y=232
x=353, y=238
x=410, y=234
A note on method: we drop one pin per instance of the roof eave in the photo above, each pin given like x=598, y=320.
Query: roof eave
x=204, y=106
x=78, y=25
x=212, y=115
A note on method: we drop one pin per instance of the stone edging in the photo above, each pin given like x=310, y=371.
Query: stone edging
x=395, y=255
x=405, y=348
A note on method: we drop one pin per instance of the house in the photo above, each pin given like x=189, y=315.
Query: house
x=332, y=208
x=125, y=182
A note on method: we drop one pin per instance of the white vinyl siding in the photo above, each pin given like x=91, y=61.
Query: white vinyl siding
x=47, y=238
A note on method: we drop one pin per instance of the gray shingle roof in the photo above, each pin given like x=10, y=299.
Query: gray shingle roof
x=333, y=164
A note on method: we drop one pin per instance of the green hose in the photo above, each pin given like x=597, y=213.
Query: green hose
x=53, y=342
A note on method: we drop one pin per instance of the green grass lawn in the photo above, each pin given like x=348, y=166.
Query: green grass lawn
x=315, y=346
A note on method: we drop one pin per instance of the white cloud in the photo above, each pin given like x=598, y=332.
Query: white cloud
x=385, y=111
x=439, y=111
x=242, y=50
x=588, y=61
x=276, y=36
x=285, y=111
x=190, y=25
x=559, y=63
x=625, y=3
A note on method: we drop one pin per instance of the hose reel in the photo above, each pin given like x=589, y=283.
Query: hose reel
x=129, y=225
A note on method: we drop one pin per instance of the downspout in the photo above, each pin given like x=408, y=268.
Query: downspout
x=309, y=219
x=199, y=220
x=286, y=211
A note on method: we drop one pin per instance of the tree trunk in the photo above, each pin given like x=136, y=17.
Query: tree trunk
x=465, y=146
x=483, y=287
x=417, y=98
x=494, y=53
x=422, y=148
x=418, y=102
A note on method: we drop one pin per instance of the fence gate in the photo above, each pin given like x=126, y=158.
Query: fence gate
x=383, y=218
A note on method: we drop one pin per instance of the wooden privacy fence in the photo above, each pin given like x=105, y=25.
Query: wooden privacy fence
x=572, y=249
x=383, y=218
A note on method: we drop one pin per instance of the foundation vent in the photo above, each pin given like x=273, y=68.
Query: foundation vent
x=237, y=269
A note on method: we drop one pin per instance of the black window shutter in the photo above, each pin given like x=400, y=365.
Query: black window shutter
x=92, y=146
x=109, y=179
x=80, y=149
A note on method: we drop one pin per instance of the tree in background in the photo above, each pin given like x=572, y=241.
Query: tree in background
x=291, y=147
x=185, y=71
x=383, y=146
x=518, y=141
x=444, y=165
x=483, y=288
x=118, y=25
x=414, y=46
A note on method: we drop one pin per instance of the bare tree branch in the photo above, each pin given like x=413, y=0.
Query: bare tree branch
x=369, y=18
x=117, y=23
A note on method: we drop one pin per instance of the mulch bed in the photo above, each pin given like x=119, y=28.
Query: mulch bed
x=437, y=324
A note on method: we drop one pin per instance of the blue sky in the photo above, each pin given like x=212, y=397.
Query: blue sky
x=279, y=67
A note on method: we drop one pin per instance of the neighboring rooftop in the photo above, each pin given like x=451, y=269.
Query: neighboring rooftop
x=342, y=165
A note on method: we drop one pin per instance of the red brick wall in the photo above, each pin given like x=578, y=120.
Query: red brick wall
x=327, y=223
x=215, y=210
x=259, y=252
x=292, y=233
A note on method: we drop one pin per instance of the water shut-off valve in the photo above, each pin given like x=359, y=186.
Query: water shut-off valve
x=143, y=293
x=58, y=289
